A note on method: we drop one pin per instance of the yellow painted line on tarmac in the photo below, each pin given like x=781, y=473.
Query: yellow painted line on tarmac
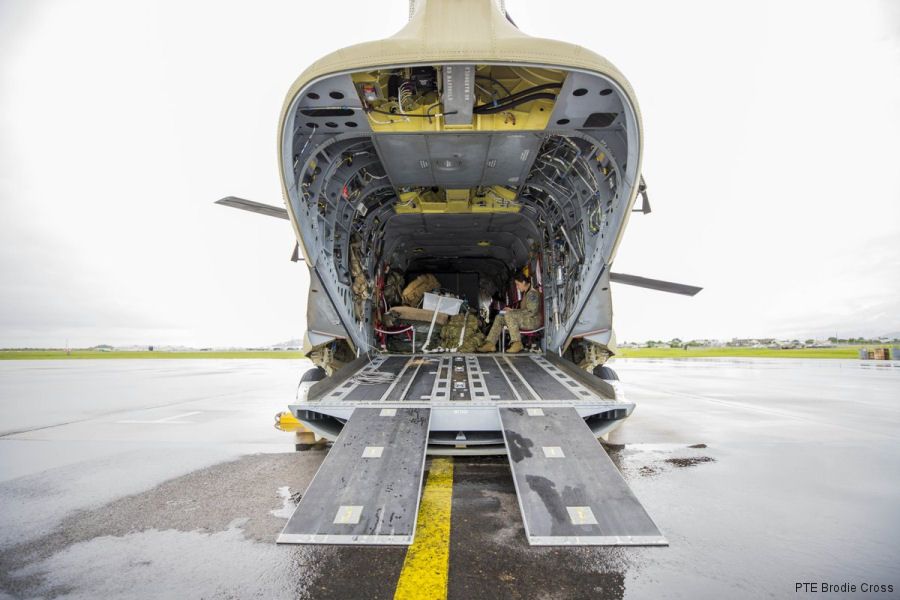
x=425, y=569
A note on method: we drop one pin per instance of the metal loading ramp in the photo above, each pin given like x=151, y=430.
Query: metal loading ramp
x=367, y=489
x=570, y=492
x=432, y=379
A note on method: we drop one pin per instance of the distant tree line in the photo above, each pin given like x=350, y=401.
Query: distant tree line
x=861, y=340
x=679, y=343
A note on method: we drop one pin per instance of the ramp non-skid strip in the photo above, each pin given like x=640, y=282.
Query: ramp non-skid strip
x=561, y=376
x=367, y=489
x=570, y=492
x=440, y=391
x=478, y=387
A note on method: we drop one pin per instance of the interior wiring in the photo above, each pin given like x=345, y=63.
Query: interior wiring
x=311, y=134
x=379, y=121
x=366, y=377
x=486, y=109
x=403, y=95
x=426, y=116
x=370, y=176
x=490, y=93
x=495, y=82
x=523, y=93
x=431, y=108
x=342, y=107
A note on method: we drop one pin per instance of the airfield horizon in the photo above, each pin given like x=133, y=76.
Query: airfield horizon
x=60, y=354
x=839, y=352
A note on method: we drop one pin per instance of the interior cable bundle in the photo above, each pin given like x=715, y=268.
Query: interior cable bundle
x=365, y=377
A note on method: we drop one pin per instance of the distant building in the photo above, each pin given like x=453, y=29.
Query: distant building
x=751, y=342
x=705, y=343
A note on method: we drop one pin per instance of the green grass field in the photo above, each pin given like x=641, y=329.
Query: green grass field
x=837, y=352
x=83, y=354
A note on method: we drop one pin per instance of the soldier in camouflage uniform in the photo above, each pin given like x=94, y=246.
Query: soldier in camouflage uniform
x=527, y=317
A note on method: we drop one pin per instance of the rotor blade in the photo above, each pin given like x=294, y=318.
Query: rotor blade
x=655, y=284
x=257, y=207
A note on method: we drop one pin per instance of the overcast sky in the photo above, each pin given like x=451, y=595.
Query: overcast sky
x=772, y=158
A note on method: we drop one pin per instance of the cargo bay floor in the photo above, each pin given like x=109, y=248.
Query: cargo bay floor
x=149, y=480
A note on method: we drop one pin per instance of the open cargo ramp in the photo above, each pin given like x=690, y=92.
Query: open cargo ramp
x=367, y=489
x=570, y=492
x=451, y=378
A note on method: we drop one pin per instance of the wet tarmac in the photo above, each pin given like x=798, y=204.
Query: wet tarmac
x=161, y=479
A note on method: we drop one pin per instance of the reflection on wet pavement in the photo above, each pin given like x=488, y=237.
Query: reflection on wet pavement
x=759, y=475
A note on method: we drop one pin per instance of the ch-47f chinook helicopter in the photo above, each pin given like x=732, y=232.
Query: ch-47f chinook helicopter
x=463, y=149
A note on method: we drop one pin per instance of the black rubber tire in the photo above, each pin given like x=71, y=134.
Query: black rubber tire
x=605, y=373
x=314, y=374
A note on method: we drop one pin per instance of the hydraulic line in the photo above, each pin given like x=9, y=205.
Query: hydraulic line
x=492, y=80
x=487, y=109
x=407, y=115
x=517, y=95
